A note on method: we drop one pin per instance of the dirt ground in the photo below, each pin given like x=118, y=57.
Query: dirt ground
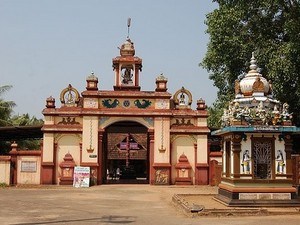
x=117, y=204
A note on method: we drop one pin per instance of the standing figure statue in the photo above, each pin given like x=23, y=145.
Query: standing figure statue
x=246, y=162
x=280, y=162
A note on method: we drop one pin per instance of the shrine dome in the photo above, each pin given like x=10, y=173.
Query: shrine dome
x=254, y=82
x=127, y=48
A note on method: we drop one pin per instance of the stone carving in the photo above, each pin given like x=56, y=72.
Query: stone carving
x=161, y=177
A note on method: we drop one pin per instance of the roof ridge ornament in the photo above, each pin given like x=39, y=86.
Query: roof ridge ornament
x=128, y=26
x=253, y=65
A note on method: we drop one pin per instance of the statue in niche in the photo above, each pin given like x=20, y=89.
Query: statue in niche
x=182, y=99
x=280, y=162
x=127, y=76
x=246, y=162
x=69, y=98
x=285, y=112
x=258, y=85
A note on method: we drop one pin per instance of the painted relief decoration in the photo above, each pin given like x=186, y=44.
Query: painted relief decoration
x=109, y=103
x=161, y=176
x=280, y=164
x=69, y=96
x=182, y=121
x=182, y=98
x=68, y=121
x=149, y=120
x=246, y=162
x=142, y=104
x=103, y=119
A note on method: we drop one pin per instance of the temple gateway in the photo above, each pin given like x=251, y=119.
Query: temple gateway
x=125, y=135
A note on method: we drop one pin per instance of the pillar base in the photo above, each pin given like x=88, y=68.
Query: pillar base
x=257, y=196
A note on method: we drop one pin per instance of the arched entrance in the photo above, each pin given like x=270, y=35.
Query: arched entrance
x=125, y=153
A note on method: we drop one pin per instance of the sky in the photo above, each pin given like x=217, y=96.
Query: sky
x=47, y=44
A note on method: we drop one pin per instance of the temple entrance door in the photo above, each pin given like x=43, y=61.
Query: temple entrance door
x=262, y=149
x=126, y=155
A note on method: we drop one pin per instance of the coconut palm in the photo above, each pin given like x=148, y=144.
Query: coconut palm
x=5, y=106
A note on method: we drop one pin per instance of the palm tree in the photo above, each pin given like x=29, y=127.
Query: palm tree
x=5, y=107
x=24, y=120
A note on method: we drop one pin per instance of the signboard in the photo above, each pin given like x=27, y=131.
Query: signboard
x=81, y=176
x=28, y=166
x=132, y=145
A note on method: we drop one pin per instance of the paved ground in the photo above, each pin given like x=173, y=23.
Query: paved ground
x=116, y=204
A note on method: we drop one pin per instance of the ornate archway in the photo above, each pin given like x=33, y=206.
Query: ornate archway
x=125, y=153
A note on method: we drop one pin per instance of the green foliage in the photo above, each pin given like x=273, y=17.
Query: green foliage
x=7, y=119
x=3, y=185
x=25, y=120
x=271, y=29
x=5, y=106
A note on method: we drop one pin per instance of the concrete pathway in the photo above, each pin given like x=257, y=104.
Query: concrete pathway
x=112, y=204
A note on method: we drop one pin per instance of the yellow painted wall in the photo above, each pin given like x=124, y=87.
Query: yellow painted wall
x=202, y=149
x=182, y=145
x=68, y=143
x=48, y=120
x=48, y=147
x=202, y=122
x=4, y=172
x=29, y=177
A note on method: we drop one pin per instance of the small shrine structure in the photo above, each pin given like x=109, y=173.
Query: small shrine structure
x=257, y=144
x=125, y=135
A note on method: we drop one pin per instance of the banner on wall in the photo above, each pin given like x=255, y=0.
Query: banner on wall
x=81, y=176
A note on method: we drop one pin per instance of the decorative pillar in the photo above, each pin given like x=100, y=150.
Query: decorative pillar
x=201, y=104
x=151, y=155
x=236, y=150
x=288, y=145
x=92, y=82
x=54, y=164
x=14, y=163
x=100, y=161
x=50, y=102
x=161, y=83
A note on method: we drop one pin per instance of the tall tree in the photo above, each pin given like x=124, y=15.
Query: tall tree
x=270, y=28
